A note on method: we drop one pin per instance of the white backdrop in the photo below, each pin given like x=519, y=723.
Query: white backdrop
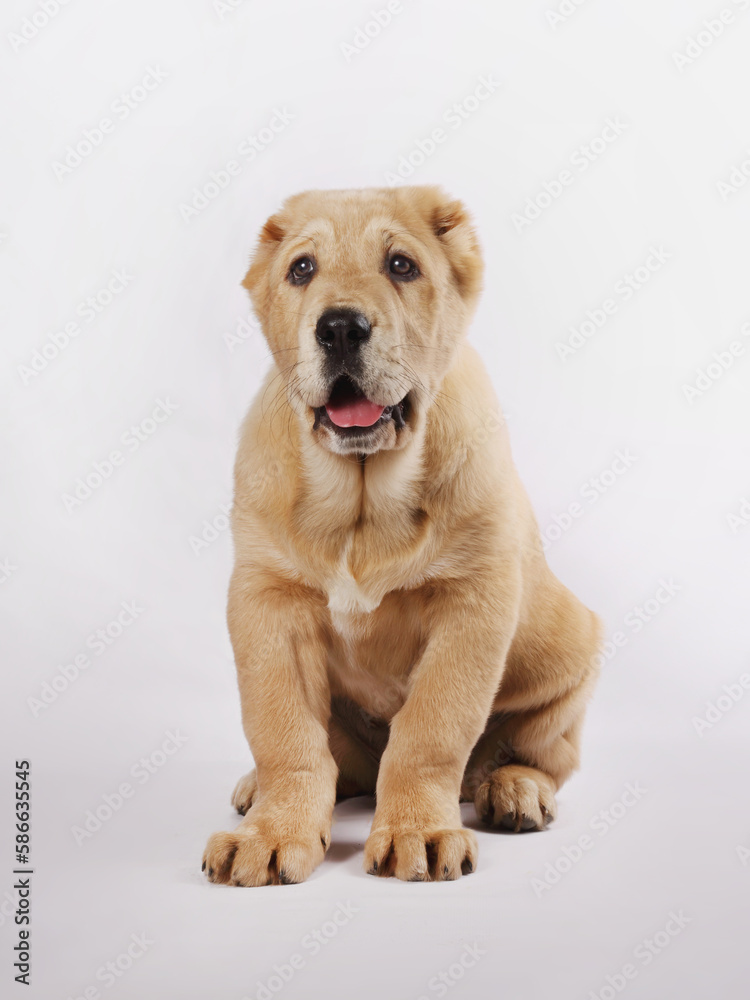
x=604, y=150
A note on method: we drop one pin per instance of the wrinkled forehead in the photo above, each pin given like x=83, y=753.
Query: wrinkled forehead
x=346, y=228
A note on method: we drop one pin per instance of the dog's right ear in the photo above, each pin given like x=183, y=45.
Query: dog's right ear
x=256, y=279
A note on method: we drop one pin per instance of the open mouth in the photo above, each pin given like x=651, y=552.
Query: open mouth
x=349, y=412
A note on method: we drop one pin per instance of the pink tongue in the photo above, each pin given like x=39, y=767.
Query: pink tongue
x=354, y=413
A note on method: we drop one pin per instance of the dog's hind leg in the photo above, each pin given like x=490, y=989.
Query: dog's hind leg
x=531, y=744
x=521, y=760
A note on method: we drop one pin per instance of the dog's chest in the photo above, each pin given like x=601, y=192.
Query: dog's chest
x=377, y=683
x=348, y=596
x=376, y=627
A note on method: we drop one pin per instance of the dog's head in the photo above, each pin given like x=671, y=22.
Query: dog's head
x=364, y=297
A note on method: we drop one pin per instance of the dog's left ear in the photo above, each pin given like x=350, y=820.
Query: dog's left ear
x=256, y=279
x=453, y=227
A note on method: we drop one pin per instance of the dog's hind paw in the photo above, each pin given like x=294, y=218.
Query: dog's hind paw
x=244, y=792
x=516, y=798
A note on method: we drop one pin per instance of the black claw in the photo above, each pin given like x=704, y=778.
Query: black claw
x=284, y=878
x=467, y=867
x=203, y=866
x=445, y=869
x=210, y=873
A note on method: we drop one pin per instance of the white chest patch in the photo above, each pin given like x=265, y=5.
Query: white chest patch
x=345, y=595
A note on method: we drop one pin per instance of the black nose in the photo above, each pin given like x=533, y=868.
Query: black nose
x=341, y=331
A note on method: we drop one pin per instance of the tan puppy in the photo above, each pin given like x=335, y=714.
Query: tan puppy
x=395, y=625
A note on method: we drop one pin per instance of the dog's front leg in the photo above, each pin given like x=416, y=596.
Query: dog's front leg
x=417, y=833
x=280, y=654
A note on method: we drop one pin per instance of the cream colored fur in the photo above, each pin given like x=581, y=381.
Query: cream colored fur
x=395, y=625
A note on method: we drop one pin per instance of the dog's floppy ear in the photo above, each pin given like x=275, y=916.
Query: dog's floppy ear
x=256, y=279
x=453, y=227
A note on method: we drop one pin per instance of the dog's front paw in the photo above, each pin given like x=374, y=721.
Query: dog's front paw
x=245, y=792
x=421, y=855
x=516, y=798
x=253, y=855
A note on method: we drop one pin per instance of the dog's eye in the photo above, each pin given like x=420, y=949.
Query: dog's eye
x=402, y=267
x=301, y=270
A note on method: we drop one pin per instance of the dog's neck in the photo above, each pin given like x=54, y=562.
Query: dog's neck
x=347, y=489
